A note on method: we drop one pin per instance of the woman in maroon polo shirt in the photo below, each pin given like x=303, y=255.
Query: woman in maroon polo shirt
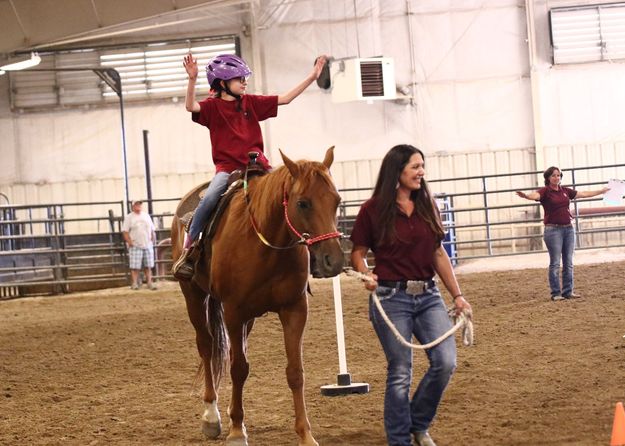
x=401, y=225
x=559, y=235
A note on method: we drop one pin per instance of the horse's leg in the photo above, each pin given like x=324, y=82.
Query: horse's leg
x=239, y=370
x=293, y=322
x=194, y=296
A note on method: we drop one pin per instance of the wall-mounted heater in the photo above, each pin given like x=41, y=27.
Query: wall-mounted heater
x=363, y=79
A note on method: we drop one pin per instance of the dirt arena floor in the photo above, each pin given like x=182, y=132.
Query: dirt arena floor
x=116, y=367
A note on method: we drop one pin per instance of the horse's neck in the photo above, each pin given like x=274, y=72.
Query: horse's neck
x=266, y=197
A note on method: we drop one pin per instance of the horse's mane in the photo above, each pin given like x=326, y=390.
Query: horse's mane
x=268, y=190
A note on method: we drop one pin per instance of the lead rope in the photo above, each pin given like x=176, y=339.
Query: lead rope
x=463, y=320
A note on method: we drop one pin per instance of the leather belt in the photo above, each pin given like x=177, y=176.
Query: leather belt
x=559, y=226
x=410, y=286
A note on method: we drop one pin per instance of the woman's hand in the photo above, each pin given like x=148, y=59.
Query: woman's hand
x=460, y=305
x=372, y=283
x=521, y=194
x=190, y=65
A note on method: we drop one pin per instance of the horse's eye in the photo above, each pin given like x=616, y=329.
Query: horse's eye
x=303, y=204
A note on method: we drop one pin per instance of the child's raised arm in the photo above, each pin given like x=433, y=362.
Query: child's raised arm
x=286, y=98
x=190, y=65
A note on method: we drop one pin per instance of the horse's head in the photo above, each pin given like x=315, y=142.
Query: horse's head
x=312, y=210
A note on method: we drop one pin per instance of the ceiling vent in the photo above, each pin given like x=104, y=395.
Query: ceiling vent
x=363, y=79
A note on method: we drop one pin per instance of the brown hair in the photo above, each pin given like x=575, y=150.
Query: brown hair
x=385, y=193
x=547, y=173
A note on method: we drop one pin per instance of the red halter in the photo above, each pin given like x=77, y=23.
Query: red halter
x=305, y=238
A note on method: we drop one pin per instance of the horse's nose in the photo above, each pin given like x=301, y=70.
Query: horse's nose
x=326, y=259
x=332, y=265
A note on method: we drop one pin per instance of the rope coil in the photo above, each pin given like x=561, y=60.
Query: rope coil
x=463, y=320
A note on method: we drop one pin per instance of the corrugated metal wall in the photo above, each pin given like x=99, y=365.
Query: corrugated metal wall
x=441, y=169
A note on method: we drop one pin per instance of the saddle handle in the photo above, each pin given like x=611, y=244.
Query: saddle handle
x=252, y=156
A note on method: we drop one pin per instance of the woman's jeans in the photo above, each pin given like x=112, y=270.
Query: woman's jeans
x=560, y=241
x=207, y=204
x=425, y=317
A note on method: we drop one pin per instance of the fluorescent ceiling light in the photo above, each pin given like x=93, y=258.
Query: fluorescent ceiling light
x=22, y=64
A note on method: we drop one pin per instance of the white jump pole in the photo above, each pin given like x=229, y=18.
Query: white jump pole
x=344, y=383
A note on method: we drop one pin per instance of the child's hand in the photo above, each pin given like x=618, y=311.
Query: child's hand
x=190, y=64
x=319, y=63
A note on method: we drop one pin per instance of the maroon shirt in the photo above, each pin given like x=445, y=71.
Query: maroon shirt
x=234, y=133
x=556, y=204
x=409, y=257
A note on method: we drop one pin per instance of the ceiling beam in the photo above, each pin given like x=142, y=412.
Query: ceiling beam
x=113, y=30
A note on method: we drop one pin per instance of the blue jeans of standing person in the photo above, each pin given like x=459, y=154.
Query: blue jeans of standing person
x=207, y=204
x=560, y=241
x=425, y=317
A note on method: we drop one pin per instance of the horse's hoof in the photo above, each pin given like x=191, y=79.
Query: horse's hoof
x=211, y=430
x=236, y=442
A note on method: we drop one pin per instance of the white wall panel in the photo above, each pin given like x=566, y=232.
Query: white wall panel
x=583, y=104
x=460, y=43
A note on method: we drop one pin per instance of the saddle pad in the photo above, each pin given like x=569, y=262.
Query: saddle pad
x=188, y=204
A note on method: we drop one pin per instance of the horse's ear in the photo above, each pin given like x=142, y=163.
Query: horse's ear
x=293, y=168
x=329, y=159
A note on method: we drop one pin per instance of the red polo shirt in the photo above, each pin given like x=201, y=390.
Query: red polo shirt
x=234, y=133
x=409, y=257
x=557, y=204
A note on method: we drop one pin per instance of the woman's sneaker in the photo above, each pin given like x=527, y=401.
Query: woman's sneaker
x=571, y=296
x=557, y=297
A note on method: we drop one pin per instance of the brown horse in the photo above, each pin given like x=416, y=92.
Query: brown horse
x=263, y=251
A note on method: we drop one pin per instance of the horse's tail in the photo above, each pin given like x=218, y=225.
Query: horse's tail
x=220, y=344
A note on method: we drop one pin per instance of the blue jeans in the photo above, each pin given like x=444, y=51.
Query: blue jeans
x=425, y=317
x=560, y=241
x=207, y=204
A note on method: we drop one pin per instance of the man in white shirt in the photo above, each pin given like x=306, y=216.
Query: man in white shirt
x=140, y=235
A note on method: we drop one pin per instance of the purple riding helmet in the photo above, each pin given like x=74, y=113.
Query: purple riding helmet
x=225, y=67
